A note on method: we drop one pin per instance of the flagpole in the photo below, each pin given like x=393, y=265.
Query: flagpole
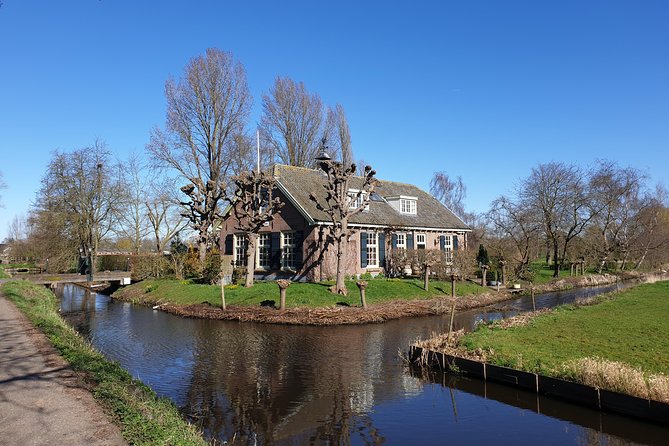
x=258, y=150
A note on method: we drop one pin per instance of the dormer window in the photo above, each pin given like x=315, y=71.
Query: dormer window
x=408, y=206
x=355, y=200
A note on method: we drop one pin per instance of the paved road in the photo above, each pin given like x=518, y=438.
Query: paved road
x=41, y=402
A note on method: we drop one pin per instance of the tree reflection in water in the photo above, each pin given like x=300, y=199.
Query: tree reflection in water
x=278, y=384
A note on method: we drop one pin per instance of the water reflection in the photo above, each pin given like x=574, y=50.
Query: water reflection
x=272, y=384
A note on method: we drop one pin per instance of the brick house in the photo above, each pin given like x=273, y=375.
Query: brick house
x=295, y=244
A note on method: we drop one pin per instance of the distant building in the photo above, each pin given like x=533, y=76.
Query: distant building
x=5, y=251
x=399, y=216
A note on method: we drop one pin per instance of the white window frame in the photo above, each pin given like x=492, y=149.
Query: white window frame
x=408, y=206
x=264, y=241
x=418, y=242
x=448, y=248
x=373, y=249
x=355, y=201
x=288, y=251
x=240, y=245
x=401, y=241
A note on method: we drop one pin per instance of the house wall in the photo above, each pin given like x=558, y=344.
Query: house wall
x=319, y=264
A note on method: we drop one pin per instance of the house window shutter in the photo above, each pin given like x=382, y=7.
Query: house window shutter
x=382, y=249
x=363, y=250
x=298, y=249
x=228, y=245
x=455, y=243
x=409, y=241
x=393, y=241
x=275, y=250
x=442, y=242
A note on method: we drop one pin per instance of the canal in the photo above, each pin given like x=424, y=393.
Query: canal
x=249, y=383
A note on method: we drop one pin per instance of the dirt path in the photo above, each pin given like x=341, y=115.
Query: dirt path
x=41, y=399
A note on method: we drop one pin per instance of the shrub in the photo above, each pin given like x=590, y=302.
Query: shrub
x=239, y=275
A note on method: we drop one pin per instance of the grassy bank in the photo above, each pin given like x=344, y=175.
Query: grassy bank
x=620, y=343
x=143, y=417
x=3, y=274
x=298, y=294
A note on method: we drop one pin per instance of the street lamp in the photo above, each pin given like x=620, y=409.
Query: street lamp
x=323, y=158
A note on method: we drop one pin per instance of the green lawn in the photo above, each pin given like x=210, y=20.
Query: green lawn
x=544, y=273
x=298, y=294
x=631, y=327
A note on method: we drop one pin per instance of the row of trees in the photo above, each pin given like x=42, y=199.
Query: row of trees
x=88, y=198
x=603, y=214
x=201, y=159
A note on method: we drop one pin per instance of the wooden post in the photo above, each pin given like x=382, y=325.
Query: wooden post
x=502, y=264
x=450, y=324
x=283, y=284
x=222, y=291
x=362, y=285
x=426, y=282
x=534, y=306
x=452, y=285
x=484, y=269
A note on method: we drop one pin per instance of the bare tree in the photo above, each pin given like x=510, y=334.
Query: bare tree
x=206, y=109
x=338, y=125
x=518, y=223
x=162, y=211
x=292, y=122
x=450, y=192
x=253, y=206
x=614, y=199
x=80, y=187
x=132, y=219
x=337, y=206
x=51, y=238
x=557, y=192
x=645, y=232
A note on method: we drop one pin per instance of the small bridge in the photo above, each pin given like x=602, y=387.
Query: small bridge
x=122, y=277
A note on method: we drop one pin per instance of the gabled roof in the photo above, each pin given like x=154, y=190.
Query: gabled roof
x=298, y=182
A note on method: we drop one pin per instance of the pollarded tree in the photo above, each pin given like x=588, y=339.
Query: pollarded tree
x=206, y=109
x=253, y=206
x=337, y=205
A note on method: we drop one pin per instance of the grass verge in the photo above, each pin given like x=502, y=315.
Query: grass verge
x=620, y=343
x=144, y=418
x=3, y=274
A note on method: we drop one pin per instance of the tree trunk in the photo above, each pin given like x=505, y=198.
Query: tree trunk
x=362, y=285
x=282, y=298
x=426, y=281
x=556, y=262
x=202, y=251
x=222, y=291
x=250, y=258
x=340, y=287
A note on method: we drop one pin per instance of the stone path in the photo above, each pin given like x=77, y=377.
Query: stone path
x=41, y=401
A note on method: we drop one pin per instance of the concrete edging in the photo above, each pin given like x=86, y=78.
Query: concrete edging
x=644, y=409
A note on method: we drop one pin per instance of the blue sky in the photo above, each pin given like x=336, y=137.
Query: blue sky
x=481, y=89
